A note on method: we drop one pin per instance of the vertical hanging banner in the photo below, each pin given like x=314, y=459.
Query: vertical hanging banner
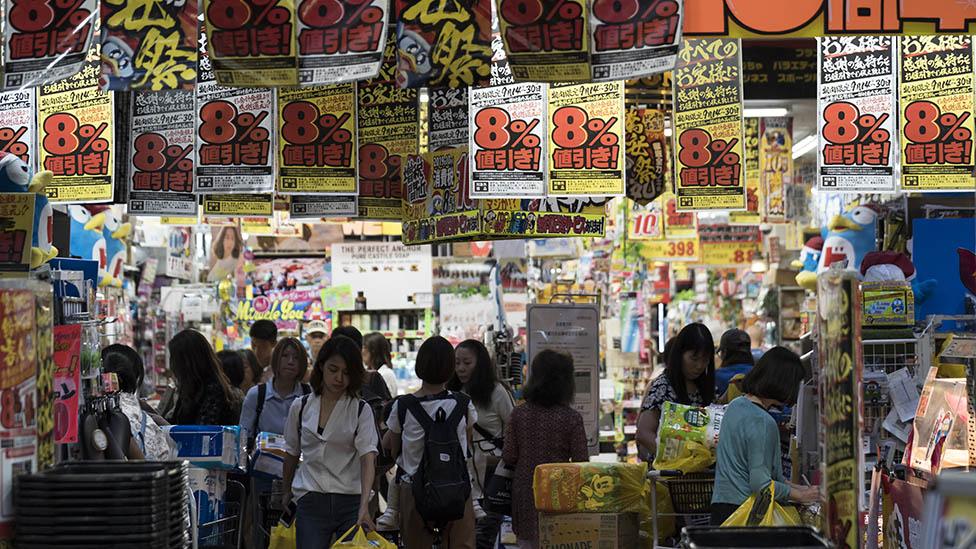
x=340, y=40
x=238, y=205
x=75, y=132
x=443, y=43
x=234, y=129
x=632, y=39
x=775, y=165
x=252, y=42
x=509, y=129
x=546, y=40
x=647, y=154
x=856, y=113
x=18, y=124
x=317, y=140
x=316, y=206
x=45, y=40
x=447, y=118
x=387, y=128
x=148, y=45
x=161, y=154
x=752, y=215
x=936, y=98
x=708, y=125
x=586, y=129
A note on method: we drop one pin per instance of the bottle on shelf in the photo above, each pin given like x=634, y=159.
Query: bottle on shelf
x=360, y=301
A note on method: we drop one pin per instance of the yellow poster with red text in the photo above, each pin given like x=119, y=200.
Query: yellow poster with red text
x=752, y=215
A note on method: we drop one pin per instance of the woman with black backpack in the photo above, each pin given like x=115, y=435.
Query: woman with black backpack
x=429, y=432
x=333, y=431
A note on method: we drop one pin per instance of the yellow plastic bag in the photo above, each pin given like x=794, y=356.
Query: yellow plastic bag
x=763, y=510
x=591, y=488
x=362, y=540
x=283, y=537
x=687, y=437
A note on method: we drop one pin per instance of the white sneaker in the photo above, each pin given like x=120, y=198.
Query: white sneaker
x=389, y=520
x=479, y=513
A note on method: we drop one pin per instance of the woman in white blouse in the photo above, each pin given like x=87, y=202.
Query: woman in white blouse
x=335, y=433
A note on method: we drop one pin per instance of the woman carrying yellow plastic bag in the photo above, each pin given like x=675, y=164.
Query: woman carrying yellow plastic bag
x=361, y=539
x=762, y=510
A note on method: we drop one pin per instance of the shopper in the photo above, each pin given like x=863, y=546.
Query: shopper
x=232, y=364
x=252, y=370
x=378, y=357
x=735, y=350
x=334, y=433
x=153, y=444
x=374, y=387
x=748, y=454
x=315, y=336
x=264, y=336
x=407, y=439
x=475, y=375
x=205, y=395
x=266, y=405
x=545, y=429
x=688, y=378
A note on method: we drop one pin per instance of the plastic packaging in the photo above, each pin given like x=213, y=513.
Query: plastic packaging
x=591, y=488
x=763, y=510
x=687, y=437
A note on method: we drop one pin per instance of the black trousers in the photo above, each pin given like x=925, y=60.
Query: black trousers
x=721, y=512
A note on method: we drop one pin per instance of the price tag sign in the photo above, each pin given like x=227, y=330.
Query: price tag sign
x=687, y=249
x=729, y=253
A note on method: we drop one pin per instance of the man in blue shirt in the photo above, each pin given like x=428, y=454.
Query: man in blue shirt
x=735, y=352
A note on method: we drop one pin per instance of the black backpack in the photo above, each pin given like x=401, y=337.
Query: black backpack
x=441, y=485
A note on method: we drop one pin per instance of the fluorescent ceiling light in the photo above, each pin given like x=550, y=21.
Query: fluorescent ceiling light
x=804, y=145
x=765, y=112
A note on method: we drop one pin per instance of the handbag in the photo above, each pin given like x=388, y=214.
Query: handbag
x=498, y=490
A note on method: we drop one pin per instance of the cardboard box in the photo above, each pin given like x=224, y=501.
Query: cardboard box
x=888, y=304
x=588, y=530
x=209, y=446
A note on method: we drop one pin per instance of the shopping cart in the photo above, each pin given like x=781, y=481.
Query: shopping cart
x=691, y=498
x=225, y=533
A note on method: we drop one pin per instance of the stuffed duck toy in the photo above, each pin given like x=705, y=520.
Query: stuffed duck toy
x=808, y=262
x=16, y=177
x=114, y=232
x=87, y=240
x=849, y=237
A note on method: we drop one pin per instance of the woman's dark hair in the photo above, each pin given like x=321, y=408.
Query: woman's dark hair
x=668, y=345
x=126, y=363
x=233, y=366
x=251, y=363
x=346, y=349
x=435, y=361
x=300, y=352
x=737, y=357
x=195, y=367
x=351, y=332
x=776, y=376
x=484, y=378
x=551, y=380
x=218, y=245
x=380, y=351
x=694, y=337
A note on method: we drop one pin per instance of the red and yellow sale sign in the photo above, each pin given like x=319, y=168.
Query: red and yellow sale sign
x=935, y=94
x=252, y=42
x=340, y=40
x=708, y=126
x=546, y=40
x=684, y=249
x=729, y=245
x=586, y=130
x=16, y=231
x=646, y=222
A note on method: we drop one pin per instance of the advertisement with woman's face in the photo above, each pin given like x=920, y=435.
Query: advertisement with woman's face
x=226, y=253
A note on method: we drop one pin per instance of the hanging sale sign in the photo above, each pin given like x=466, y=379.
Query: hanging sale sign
x=340, y=40
x=75, y=131
x=646, y=222
x=148, y=45
x=67, y=382
x=17, y=124
x=447, y=118
x=317, y=145
x=856, y=114
x=549, y=218
x=708, y=126
x=754, y=195
x=45, y=40
x=234, y=132
x=586, y=128
x=252, y=42
x=238, y=205
x=936, y=98
x=161, y=154
x=775, y=165
x=438, y=205
x=388, y=129
x=682, y=249
x=16, y=231
x=546, y=40
x=315, y=206
x=647, y=154
x=677, y=224
x=443, y=45
x=729, y=245
x=506, y=141
x=632, y=38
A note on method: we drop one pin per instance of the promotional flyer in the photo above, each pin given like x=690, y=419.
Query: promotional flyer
x=775, y=165
x=18, y=110
x=252, y=42
x=647, y=154
x=46, y=41
x=632, y=39
x=546, y=41
x=340, y=41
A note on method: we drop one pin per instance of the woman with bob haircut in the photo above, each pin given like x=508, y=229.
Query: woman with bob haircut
x=333, y=431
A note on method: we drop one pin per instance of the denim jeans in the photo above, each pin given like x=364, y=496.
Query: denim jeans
x=323, y=517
